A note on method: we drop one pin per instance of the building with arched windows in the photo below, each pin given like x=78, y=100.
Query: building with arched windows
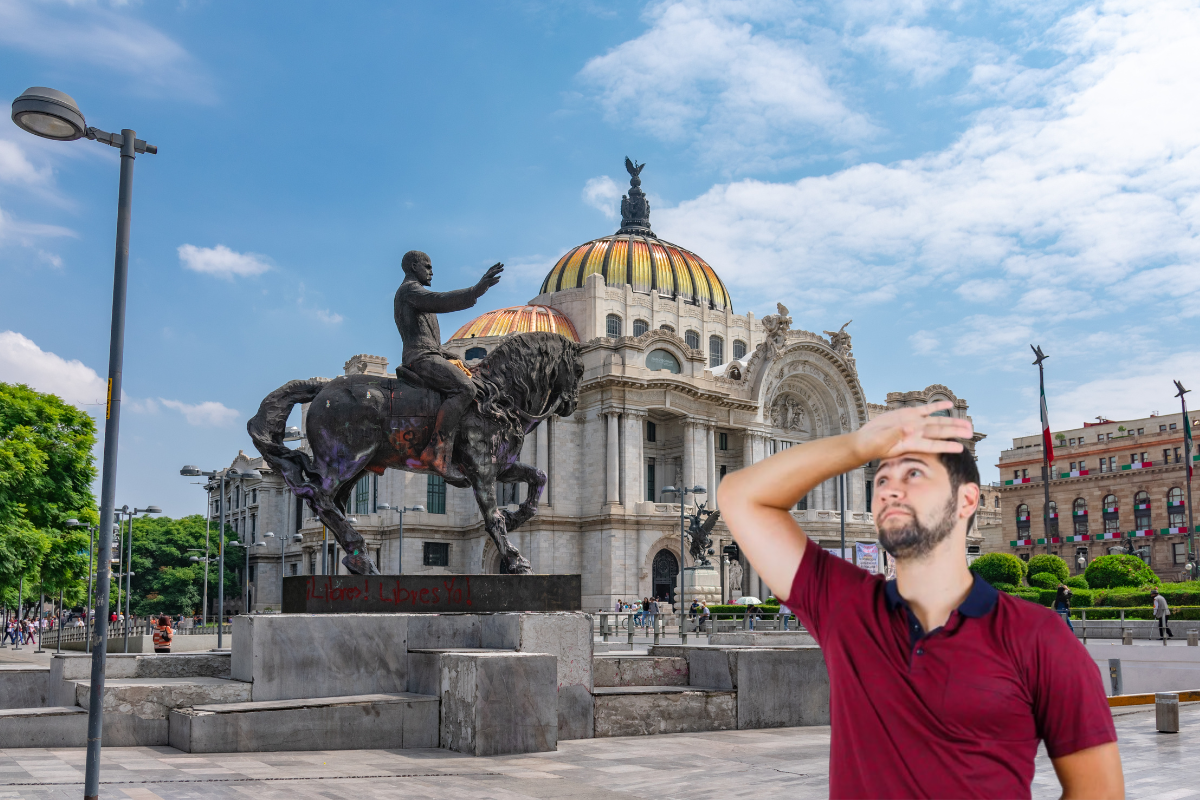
x=679, y=389
x=1124, y=482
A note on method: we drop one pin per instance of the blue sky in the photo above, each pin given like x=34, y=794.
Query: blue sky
x=961, y=179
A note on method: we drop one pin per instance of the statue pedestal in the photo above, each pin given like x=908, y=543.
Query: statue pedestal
x=702, y=583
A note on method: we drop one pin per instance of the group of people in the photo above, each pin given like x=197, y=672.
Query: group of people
x=23, y=631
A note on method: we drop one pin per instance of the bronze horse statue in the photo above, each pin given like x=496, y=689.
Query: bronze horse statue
x=372, y=422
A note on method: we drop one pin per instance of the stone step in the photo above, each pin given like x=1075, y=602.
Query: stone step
x=352, y=722
x=24, y=685
x=624, y=670
x=59, y=726
x=648, y=710
x=136, y=709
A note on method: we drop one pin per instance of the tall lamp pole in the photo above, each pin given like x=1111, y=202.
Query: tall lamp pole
x=682, y=493
x=87, y=605
x=52, y=114
x=1039, y=357
x=400, y=543
x=131, y=513
x=1187, y=460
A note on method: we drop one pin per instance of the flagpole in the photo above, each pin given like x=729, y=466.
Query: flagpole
x=1187, y=461
x=1046, y=445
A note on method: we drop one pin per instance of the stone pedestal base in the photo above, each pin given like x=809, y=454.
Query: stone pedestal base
x=703, y=584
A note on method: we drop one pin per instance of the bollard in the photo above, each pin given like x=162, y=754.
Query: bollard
x=1166, y=712
x=629, y=624
x=1114, y=675
x=1126, y=636
x=604, y=627
x=1193, y=638
x=657, y=627
x=1083, y=624
x=682, y=629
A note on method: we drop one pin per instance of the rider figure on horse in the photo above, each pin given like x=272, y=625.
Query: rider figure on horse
x=416, y=318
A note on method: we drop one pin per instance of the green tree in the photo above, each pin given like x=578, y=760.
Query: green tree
x=1049, y=563
x=65, y=567
x=1107, y=572
x=22, y=549
x=164, y=578
x=999, y=568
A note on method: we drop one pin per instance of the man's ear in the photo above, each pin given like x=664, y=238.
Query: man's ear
x=968, y=499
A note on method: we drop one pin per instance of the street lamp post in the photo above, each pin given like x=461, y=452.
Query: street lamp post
x=54, y=115
x=130, y=514
x=87, y=605
x=682, y=493
x=1187, y=461
x=400, y=544
x=247, y=546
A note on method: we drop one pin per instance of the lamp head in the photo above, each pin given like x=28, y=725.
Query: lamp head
x=149, y=510
x=73, y=523
x=383, y=507
x=194, y=559
x=669, y=490
x=297, y=537
x=417, y=508
x=50, y=114
x=190, y=471
x=697, y=490
x=268, y=535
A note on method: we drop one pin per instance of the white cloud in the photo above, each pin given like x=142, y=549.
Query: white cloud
x=726, y=78
x=207, y=414
x=1092, y=194
x=603, y=194
x=327, y=316
x=982, y=291
x=15, y=167
x=222, y=262
x=926, y=53
x=114, y=41
x=924, y=342
x=22, y=361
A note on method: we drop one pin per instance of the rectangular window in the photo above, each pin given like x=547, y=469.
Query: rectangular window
x=312, y=563
x=1072, y=441
x=722, y=441
x=1104, y=465
x=1082, y=466
x=1108, y=436
x=1024, y=473
x=299, y=507
x=1144, y=454
x=651, y=431
x=362, y=494
x=1072, y=466
x=716, y=351
x=1177, y=458
x=1016, y=474
x=1162, y=428
x=1141, y=431
x=1099, y=437
x=1180, y=552
x=1166, y=456
x=435, y=495
x=253, y=573
x=254, y=497
x=294, y=567
x=650, y=481
x=1133, y=458
x=437, y=554
x=1112, y=463
x=374, y=494
x=1171, y=426
x=253, y=526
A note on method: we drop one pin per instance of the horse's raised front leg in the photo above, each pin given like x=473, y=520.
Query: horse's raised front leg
x=535, y=481
x=330, y=512
x=484, y=487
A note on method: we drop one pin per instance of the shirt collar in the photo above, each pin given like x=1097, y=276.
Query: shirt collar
x=980, y=600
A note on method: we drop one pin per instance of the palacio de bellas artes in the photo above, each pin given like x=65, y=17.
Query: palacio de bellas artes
x=678, y=389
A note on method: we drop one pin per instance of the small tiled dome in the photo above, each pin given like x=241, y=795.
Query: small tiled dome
x=518, y=319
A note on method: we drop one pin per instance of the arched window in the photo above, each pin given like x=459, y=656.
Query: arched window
x=692, y=338
x=1079, y=513
x=660, y=359
x=1141, y=510
x=475, y=352
x=1112, y=515
x=1022, y=521
x=1176, y=510
x=1052, y=518
x=640, y=326
x=666, y=328
x=612, y=326
x=739, y=349
x=716, y=351
x=665, y=571
x=997, y=501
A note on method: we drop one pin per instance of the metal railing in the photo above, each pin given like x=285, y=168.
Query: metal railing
x=79, y=633
x=631, y=625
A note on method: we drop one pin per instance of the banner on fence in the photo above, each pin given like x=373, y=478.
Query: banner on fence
x=868, y=556
x=847, y=554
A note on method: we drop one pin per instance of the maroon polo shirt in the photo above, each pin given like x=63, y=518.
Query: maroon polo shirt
x=956, y=712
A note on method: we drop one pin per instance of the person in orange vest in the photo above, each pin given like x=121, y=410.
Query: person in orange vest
x=163, y=635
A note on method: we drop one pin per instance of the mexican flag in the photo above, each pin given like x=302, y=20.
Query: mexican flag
x=1143, y=532
x=1021, y=543
x=1187, y=441
x=1174, y=530
x=1083, y=537
x=1100, y=536
x=1047, y=443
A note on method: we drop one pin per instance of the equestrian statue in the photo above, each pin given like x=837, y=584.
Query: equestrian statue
x=436, y=417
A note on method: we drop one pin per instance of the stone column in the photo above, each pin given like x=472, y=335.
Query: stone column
x=747, y=448
x=711, y=462
x=613, y=453
x=634, y=458
x=689, y=459
x=543, y=456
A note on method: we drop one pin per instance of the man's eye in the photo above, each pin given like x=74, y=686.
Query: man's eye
x=914, y=473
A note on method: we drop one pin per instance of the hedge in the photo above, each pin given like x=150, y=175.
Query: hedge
x=1000, y=568
x=1044, y=580
x=1033, y=595
x=1119, y=570
x=1077, y=582
x=1048, y=563
x=1138, y=612
x=740, y=611
x=1005, y=587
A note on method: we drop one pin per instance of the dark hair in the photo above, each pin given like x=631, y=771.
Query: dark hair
x=162, y=620
x=410, y=260
x=961, y=468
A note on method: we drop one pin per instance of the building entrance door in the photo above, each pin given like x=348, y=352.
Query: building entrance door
x=666, y=574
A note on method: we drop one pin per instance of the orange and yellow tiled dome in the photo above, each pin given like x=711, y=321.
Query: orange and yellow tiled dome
x=635, y=255
x=518, y=319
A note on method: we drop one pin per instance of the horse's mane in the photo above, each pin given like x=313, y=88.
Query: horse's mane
x=523, y=369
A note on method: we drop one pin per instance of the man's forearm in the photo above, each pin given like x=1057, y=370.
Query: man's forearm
x=445, y=302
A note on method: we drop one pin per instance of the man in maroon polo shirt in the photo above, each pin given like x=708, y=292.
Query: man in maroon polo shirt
x=940, y=686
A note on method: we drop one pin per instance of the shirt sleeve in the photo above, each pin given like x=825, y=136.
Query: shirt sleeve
x=1069, y=703
x=822, y=583
x=428, y=301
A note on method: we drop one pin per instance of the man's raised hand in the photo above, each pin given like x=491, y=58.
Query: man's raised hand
x=490, y=278
x=912, y=430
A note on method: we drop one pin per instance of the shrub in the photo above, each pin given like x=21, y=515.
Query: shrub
x=1124, y=570
x=1082, y=598
x=1005, y=587
x=1077, y=582
x=1049, y=563
x=999, y=568
x=1032, y=595
x=1043, y=580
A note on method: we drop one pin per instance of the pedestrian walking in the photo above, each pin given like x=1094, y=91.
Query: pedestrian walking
x=1062, y=604
x=163, y=635
x=653, y=613
x=784, y=613
x=1162, y=613
x=968, y=672
x=645, y=615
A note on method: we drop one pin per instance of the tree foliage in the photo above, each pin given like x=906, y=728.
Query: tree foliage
x=165, y=580
x=1049, y=563
x=1000, y=568
x=1111, y=571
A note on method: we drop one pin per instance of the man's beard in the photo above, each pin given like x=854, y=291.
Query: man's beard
x=918, y=539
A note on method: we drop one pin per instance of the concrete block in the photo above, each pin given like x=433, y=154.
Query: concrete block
x=647, y=710
x=762, y=639
x=712, y=667
x=289, y=656
x=24, y=686
x=615, y=670
x=444, y=631
x=43, y=727
x=136, y=709
x=367, y=722
x=499, y=703
x=782, y=688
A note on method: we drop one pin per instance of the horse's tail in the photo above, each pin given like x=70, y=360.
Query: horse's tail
x=266, y=429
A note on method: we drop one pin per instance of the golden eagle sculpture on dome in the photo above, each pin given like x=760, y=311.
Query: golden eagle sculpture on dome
x=635, y=208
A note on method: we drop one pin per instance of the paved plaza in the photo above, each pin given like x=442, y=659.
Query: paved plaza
x=759, y=764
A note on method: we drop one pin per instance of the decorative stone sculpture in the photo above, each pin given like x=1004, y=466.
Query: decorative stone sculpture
x=700, y=534
x=776, y=327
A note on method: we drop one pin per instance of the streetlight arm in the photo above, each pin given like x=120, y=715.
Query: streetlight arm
x=117, y=141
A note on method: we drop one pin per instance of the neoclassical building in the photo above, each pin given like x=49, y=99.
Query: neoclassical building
x=678, y=390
